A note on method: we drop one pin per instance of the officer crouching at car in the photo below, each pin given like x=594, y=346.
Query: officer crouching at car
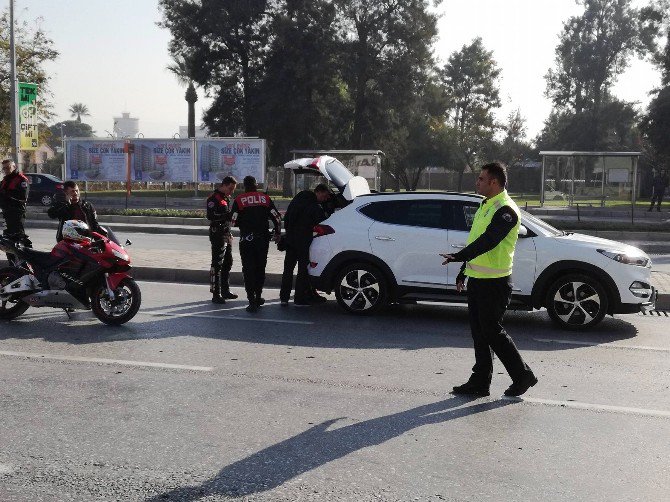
x=13, y=200
x=488, y=259
x=219, y=215
x=251, y=212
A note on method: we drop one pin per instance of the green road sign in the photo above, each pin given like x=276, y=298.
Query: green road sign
x=28, y=116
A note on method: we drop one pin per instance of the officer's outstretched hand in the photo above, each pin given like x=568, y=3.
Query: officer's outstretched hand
x=447, y=258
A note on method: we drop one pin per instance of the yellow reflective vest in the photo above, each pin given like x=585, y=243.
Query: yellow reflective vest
x=497, y=262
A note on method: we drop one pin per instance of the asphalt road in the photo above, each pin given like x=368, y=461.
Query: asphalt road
x=192, y=401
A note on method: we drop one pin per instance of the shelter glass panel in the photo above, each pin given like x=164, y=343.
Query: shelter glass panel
x=618, y=179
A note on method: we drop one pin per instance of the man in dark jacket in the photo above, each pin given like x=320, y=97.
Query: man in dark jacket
x=13, y=200
x=659, y=185
x=303, y=213
x=251, y=212
x=219, y=215
x=71, y=207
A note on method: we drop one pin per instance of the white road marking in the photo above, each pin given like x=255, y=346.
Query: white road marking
x=592, y=407
x=603, y=345
x=122, y=362
x=227, y=317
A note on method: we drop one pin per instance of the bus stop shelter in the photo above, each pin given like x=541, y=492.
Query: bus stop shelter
x=593, y=178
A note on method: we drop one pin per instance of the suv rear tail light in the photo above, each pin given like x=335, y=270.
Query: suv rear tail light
x=59, y=186
x=320, y=230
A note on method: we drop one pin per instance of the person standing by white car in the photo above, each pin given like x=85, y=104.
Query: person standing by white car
x=488, y=258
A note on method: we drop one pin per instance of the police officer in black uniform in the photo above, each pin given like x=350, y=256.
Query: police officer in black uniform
x=13, y=200
x=251, y=212
x=219, y=215
x=304, y=211
x=68, y=206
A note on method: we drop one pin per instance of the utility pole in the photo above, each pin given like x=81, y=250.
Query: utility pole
x=14, y=105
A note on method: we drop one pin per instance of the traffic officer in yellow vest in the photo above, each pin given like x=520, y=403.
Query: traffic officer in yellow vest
x=487, y=265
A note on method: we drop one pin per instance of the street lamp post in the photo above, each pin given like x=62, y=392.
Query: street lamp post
x=62, y=141
x=13, y=91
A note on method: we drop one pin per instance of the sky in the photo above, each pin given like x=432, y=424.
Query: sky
x=113, y=57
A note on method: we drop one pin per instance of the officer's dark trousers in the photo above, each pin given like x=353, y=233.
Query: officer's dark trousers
x=487, y=302
x=14, y=223
x=222, y=262
x=296, y=256
x=254, y=255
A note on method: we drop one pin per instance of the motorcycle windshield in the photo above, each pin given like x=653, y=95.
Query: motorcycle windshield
x=112, y=236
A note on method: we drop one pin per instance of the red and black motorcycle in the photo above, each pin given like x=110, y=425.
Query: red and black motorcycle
x=88, y=274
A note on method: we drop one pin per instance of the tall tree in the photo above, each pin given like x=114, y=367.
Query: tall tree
x=594, y=49
x=69, y=129
x=655, y=124
x=379, y=34
x=77, y=110
x=33, y=49
x=227, y=42
x=567, y=130
x=514, y=147
x=182, y=69
x=302, y=101
x=470, y=80
x=417, y=137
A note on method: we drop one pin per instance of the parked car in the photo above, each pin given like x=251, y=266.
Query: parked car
x=43, y=188
x=384, y=248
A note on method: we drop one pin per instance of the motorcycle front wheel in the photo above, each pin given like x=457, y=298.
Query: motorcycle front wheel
x=120, y=309
x=13, y=307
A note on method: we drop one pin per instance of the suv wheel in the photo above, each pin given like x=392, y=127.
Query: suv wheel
x=361, y=288
x=46, y=199
x=576, y=302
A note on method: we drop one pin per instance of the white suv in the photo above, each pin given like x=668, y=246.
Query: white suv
x=385, y=248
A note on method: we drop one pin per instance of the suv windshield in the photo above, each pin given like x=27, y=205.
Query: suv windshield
x=543, y=227
x=338, y=174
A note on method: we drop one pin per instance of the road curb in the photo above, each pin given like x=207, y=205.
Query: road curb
x=272, y=280
x=187, y=276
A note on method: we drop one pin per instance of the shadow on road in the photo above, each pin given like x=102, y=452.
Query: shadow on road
x=317, y=446
x=408, y=327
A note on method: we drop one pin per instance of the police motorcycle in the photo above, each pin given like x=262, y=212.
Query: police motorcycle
x=84, y=271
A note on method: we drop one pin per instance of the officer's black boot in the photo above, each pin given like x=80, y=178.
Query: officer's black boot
x=253, y=304
x=225, y=286
x=216, y=298
x=227, y=295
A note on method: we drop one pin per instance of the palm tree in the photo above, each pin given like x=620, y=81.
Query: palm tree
x=180, y=68
x=79, y=109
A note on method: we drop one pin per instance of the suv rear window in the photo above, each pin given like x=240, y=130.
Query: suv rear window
x=463, y=214
x=415, y=213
